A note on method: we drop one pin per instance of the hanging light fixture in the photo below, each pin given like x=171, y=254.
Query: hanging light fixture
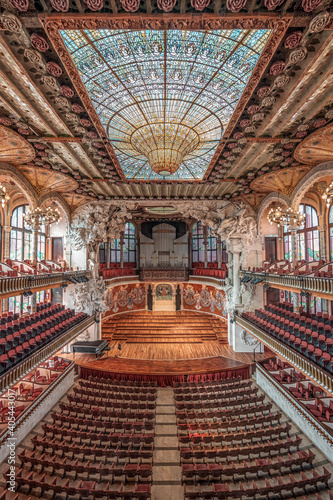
x=328, y=195
x=3, y=195
x=37, y=217
x=287, y=217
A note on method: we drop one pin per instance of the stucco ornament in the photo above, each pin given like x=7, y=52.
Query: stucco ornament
x=90, y=297
x=93, y=224
x=248, y=340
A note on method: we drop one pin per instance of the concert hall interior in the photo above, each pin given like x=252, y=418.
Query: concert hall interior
x=166, y=249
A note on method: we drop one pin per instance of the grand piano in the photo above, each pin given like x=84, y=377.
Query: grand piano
x=91, y=347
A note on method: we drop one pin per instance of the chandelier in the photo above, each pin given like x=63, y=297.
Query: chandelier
x=165, y=145
x=37, y=217
x=328, y=195
x=3, y=195
x=293, y=220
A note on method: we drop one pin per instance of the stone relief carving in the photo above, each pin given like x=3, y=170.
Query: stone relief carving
x=90, y=297
x=247, y=339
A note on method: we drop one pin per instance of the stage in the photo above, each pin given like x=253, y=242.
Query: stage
x=166, y=364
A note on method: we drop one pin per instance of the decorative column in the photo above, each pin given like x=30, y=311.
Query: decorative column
x=294, y=255
x=295, y=302
x=205, y=242
x=322, y=242
x=34, y=248
x=137, y=253
x=230, y=266
x=236, y=282
x=6, y=249
x=219, y=252
x=189, y=247
x=121, y=242
x=34, y=302
x=108, y=253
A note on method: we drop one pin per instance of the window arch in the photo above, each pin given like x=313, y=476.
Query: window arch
x=330, y=229
x=307, y=237
x=129, y=247
x=20, y=242
x=198, y=249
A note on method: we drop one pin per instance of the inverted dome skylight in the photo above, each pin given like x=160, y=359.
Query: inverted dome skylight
x=165, y=97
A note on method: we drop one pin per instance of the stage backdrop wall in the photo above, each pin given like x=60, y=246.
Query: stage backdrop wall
x=204, y=298
x=123, y=298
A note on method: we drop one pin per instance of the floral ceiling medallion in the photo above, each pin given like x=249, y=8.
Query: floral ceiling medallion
x=165, y=97
x=317, y=147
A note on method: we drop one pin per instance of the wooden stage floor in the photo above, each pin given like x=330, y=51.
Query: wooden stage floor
x=170, y=359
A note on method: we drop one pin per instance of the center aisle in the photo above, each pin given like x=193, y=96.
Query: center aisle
x=166, y=469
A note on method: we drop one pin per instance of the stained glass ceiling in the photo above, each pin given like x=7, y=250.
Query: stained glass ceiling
x=165, y=97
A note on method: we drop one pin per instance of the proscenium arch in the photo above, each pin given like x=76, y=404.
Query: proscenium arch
x=266, y=202
x=54, y=196
x=317, y=173
x=22, y=183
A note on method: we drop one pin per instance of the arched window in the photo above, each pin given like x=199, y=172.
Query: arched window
x=211, y=247
x=21, y=237
x=129, y=251
x=198, y=249
x=330, y=228
x=307, y=236
x=129, y=243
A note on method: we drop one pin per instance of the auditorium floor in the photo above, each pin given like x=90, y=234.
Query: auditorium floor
x=167, y=482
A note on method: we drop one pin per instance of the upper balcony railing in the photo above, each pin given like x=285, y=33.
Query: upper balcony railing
x=312, y=284
x=16, y=285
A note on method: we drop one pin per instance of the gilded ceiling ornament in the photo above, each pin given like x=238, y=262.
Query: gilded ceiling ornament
x=268, y=101
x=34, y=57
x=21, y=5
x=238, y=135
x=60, y=5
x=236, y=5
x=62, y=102
x=77, y=108
x=5, y=121
x=200, y=4
x=50, y=82
x=67, y=91
x=85, y=123
x=258, y=117
x=281, y=81
x=297, y=55
x=94, y=5
x=319, y=123
x=300, y=135
x=249, y=130
x=293, y=40
x=329, y=114
x=277, y=68
x=166, y=5
x=318, y=23
x=263, y=92
x=245, y=123
x=310, y=5
x=273, y=4
x=130, y=5
x=11, y=22
x=54, y=69
x=39, y=43
x=253, y=109
x=303, y=127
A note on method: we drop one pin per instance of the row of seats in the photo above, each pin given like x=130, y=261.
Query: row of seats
x=241, y=454
x=210, y=265
x=84, y=453
x=312, y=397
x=116, y=265
x=20, y=337
x=309, y=337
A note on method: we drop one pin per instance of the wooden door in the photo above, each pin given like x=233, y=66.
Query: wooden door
x=270, y=249
x=57, y=249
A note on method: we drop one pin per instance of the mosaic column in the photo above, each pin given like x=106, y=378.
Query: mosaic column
x=189, y=248
x=322, y=242
x=137, y=243
x=121, y=242
x=34, y=247
x=295, y=302
x=294, y=255
x=205, y=242
x=108, y=253
x=219, y=252
x=6, y=249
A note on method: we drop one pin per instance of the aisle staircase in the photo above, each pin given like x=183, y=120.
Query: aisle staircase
x=166, y=327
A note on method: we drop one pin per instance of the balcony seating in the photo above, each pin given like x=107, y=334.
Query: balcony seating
x=215, y=273
x=311, y=337
x=87, y=452
x=240, y=454
x=311, y=397
x=22, y=336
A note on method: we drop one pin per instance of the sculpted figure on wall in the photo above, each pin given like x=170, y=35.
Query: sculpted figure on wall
x=90, y=297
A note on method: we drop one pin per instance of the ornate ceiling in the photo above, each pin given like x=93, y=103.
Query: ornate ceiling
x=280, y=100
